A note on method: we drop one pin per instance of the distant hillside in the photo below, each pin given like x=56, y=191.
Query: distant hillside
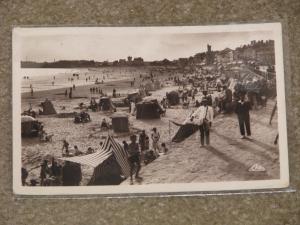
x=60, y=64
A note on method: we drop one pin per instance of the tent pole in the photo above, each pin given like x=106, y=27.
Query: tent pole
x=169, y=131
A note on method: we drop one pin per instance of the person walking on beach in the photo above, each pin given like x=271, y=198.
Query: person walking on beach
x=204, y=115
x=134, y=158
x=155, y=136
x=66, y=92
x=70, y=93
x=242, y=110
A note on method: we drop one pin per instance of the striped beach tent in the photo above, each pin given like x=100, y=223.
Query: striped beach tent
x=110, y=151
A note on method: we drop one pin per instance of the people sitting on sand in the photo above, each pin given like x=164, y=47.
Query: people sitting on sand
x=104, y=124
x=77, y=152
x=90, y=150
x=134, y=158
x=44, y=136
x=66, y=148
x=84, y=117
x=93, y=105
x=77, y=118
x=164, y=102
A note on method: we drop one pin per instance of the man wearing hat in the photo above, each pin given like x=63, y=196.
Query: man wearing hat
x=242, y=110
x=204, y=116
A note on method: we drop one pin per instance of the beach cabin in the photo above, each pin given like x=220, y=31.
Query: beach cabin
x=173, y=98
x=148, y=109
x=120, y=122
x=30, y=127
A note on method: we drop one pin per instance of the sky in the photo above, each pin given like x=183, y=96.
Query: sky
x=107, y=46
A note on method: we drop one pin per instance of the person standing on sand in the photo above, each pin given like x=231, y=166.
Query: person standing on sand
x=242, y=110
x=134, y=158
x=142, y=142
x=31, y=92
x=65, y=147
x=44, y=171
x=70, y=93
x=66, y=92
x=204, y=115
x=155, y=136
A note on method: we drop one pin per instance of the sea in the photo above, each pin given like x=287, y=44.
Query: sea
x=41, y=79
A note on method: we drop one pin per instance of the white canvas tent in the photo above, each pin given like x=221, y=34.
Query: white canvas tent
x=110, y=151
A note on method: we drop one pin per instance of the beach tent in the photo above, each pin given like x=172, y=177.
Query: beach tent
x=120, y=122
x=106, y=104
x=48, y=108
x=134, y=97
x=184, y=131
x=148, y=109
x=30, y=127
x=173, y=98
x=109, y=163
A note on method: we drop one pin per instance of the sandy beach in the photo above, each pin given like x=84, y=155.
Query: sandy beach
x=227, y=159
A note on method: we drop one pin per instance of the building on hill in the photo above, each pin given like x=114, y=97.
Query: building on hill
x=209, y=56
x=262, y=52
x=225, y=56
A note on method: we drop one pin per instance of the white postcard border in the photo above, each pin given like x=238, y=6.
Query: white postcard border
x=283, y=182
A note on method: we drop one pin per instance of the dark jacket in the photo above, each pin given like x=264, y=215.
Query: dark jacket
x=242, y=109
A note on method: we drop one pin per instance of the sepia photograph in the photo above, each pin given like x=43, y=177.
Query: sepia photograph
x=133, y=110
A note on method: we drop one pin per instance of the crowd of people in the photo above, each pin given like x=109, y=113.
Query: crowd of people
x=140, y=152
x=217, y=96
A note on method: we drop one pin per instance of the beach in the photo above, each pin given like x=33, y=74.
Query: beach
x=227, y=159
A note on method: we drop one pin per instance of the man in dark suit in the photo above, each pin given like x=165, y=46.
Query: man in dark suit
x=242, y=110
